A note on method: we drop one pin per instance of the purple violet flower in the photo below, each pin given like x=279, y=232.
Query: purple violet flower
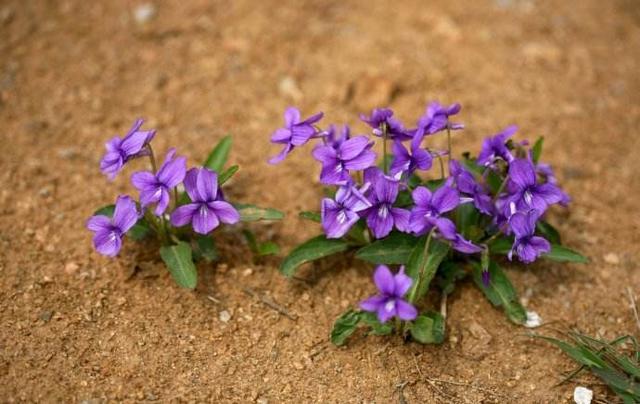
x=208, y=208
x=295, y=132
x=405, y=162
x=120, y=151
x=429, y=210
x=156, y=188
x=436, y=118
x=525, y=193
x=335, y=141
x=389, y=302
x=339, y=215
x=107, y=239
x=527, y=246
x=352, y=154
x=382, y=216
x=384, y=116
x=547, y=172
x=495, y=147
x=467, y=184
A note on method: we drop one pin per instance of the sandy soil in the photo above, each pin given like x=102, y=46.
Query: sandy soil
x=75, y=326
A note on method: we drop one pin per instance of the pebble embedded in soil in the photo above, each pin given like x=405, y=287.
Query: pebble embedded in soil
x=144, y=13
x=533, y=320
x=582, y=395
x=612, y=258
x=224, y=316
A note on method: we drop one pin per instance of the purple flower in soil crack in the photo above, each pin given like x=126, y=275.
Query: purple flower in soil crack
x=405, y=162
x=352, y=154
x=156, y=188
x=527, y=246
x=436, y=118
x=384, y=116
x=467, y=184
x=339, y=215
x=428, y=214
x=120, y=151
x=108, y=231
x=382, y=216
x=208, y=208
x=389, y=302
x=523, y=191
x=495, y=147
x=294, y=133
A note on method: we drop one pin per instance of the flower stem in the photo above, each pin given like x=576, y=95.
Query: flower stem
x=448, y=144
x=501, y=188
x=385, y=163
x=441, y=166
x=427, y=243
x=161, y=228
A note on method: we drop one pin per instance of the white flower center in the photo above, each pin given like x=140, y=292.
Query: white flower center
x=383, y=211
x=342, y=217
x=390, y=305
x=204, y=211
x=528, y=197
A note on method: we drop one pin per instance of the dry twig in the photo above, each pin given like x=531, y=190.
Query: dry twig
x=271, y=304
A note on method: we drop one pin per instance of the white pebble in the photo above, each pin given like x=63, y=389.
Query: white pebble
x=533, y=320
x=582, y=395
x=143, y=13
x=224, y=316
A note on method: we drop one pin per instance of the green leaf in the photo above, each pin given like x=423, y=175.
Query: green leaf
x=377, y=328
x=205, y=249
x=219, y=155
x=260, y=249
x=467, y=217
x=311, y=250
x=563, y=254
x=227, y=174
x=252, y=213
x=138, y=232
x=549, y=232
x=393, y=249
x=404, y=199
x=449, y=273
x=500, y=291
x=344, y=326
x=428, y=265
x=428, y=328
x=313, y=216
x=536, y=150
x=178, y=260
x=501, y=245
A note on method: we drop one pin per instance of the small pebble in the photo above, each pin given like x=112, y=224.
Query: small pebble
x=224, y=316
x=71, y=268
x=533, y=320
x=144, y=12
x=582, y=395
x=46, y=315
x=612, y=259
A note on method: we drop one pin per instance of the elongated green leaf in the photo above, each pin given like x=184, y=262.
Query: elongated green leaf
x=564, y=254
x=260, y=249
x=227, y=174
x=501, y=245
x=449, y=274
x=178, y=260
x=139, y=231
x=205, y=249
x=377, y=328
x=467, y=217
x=393, y=249
x=536, y=150
x=500, y=291
x=311, y=250
x=313, y=216
x=344, y=326
x=252, y=213
x=549, y=232
x=219, y=155
x=428, y=328
x=427, y=265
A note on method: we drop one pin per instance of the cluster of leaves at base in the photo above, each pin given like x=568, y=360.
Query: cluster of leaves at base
x=615, y=366
x=180, y=253
x=441, y=263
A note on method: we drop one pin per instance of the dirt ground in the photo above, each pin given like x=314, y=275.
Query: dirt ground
x=75, y=326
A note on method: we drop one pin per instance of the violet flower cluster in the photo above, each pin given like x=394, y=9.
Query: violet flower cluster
x=473, y=206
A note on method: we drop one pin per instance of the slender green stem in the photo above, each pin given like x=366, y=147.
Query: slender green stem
x=501, y=187
x=385, y=163
x=161, y=228
x=449, y=148
x=425, y=253
x=441, y=166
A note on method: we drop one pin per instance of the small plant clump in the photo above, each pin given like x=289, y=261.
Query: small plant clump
x=181, y=207
x=439, y=224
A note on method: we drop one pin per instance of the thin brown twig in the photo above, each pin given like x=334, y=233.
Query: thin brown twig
x=271, y=304
x=468, y=385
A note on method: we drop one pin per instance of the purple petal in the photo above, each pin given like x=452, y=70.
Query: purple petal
x=387, y=310
x=445, y=199
x=163, y=202
x=446, y=228
x=281, y=135
x=521, y=225
x=191, y=184
x=111, y=164
x=183, y=214
x=225, y=212
x=107, y=243
x=380, y=221
x=99, y=223
x=150, y=196
x=204, y=220
x=417, y=222
x=422, y=159
x=301, y=133
x=361, y=162
x=402, y=283
x=386, y=190
x=465, y=246
x=541, y=245
x=334, y=173
x=133, y=144
x=313, y=118
x=401, y=219
x=144, y=180
x=405, y=310
x=172, y=171
x=282, y=155
x=291, y=116
x=325, y=154
x=206, y=185
x=336, y=222
x=353, y=147
x=372, y=303
x=549, y=192
x=421, y=196
x=522, y=173
x=383, y=278
x=125, y=214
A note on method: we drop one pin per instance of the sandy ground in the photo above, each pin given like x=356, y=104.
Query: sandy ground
x=75, y=326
